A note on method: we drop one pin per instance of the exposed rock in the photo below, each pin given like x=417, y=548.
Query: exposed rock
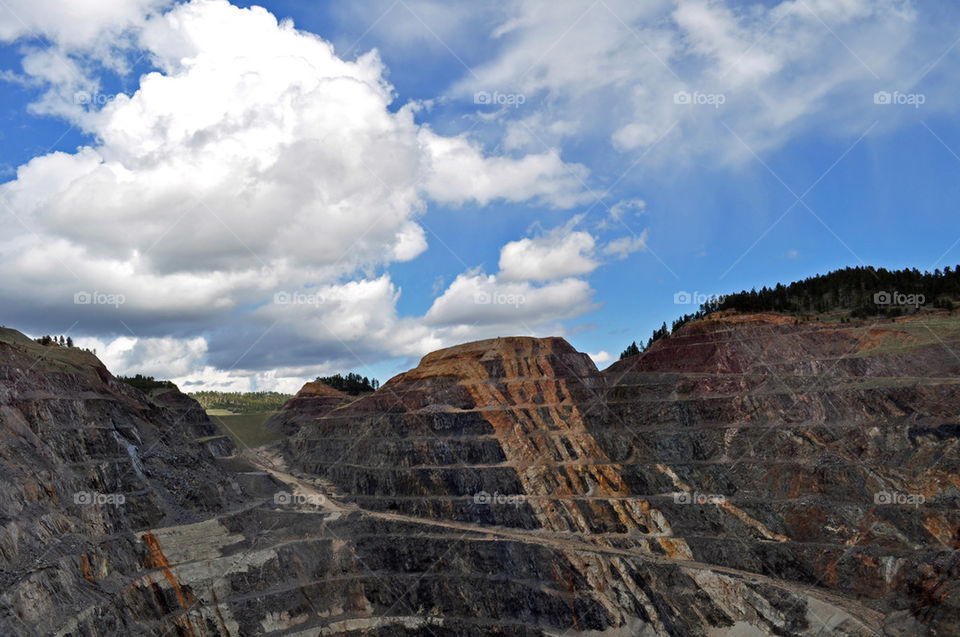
x=729, y=481
x=784, y=433
x=84, y=460
x=314, y=399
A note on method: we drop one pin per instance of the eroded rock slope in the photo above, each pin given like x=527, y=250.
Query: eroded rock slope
x=743, y=467
x=747, y=476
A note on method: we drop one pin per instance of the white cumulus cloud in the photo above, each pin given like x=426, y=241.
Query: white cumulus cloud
x=476, y=299
x=555, y=255
x=252, y=161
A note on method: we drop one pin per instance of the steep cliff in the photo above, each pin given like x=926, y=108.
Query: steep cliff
x=84, y=460
x=749, y=475
x=835, y=446
x=748, y=471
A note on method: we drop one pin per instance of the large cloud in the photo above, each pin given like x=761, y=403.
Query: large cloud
x=252, y=162
x=257, y=144
x=255, y=161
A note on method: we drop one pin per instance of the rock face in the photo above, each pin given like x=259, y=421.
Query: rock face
x=746, y=476
x=312, y=401
x=84, y=460
x=837, y=444
x=736, y=477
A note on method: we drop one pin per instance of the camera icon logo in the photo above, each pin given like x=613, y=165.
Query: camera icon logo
x=281, y=298
x=481, y=298
x=682, y=298
x=882, y=298
x=882, y=97
x=82, y=298
x=683, y=498
x=482, y=97
x=682, y=97
x=86, y=498
x=282, y=497
x=882, y=497
x=481, y=497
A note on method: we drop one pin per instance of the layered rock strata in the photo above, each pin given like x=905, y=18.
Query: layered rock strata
x=749, y=475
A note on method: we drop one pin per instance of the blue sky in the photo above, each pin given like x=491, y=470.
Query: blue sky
x=247, y=203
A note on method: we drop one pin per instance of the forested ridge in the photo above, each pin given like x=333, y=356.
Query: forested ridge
x=352, y=383
x=861, y=292
x=241, y=402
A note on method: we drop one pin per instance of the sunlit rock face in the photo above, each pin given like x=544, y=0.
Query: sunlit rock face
x=742, y=446
x=749, y=475
x=312, y=401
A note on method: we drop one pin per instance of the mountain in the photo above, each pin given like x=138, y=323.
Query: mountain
x=749, y=474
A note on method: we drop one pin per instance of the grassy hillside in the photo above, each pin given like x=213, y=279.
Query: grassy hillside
x=246, y=430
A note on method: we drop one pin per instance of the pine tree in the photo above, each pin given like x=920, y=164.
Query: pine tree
x=632, y=350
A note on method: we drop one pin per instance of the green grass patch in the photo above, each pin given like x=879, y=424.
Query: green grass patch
x=246, y=430
x=220, y=412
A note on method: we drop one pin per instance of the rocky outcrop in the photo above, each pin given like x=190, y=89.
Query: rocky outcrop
x=741, y=447
x=749, y=475
x=838, y=444
x=84, y=460
x=314, y=400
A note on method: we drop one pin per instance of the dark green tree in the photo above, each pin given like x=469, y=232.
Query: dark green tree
x=353, y=384
x=632, y=350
